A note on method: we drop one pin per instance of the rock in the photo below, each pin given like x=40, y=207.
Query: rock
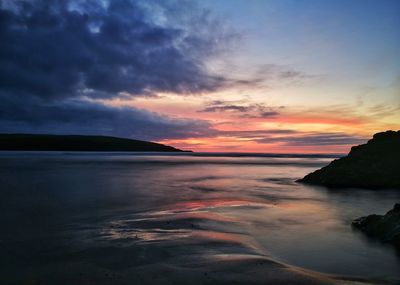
x=375, y=164
x=385, y=228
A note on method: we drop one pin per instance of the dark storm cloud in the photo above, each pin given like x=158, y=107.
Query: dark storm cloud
x=92, y=118
x=54, y=53
x=67, y=48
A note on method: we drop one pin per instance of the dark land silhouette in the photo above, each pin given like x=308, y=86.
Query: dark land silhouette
x=373, y=165
x=385, y=228
x=38, y=142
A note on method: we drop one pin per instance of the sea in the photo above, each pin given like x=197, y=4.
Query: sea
x=86, y=217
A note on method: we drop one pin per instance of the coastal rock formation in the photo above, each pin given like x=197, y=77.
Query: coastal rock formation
x=385, y=228
x=375, y=164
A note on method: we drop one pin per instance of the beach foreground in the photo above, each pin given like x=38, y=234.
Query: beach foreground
x=102, y=218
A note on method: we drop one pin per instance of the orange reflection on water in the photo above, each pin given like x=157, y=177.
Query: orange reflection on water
x=209, y=216
x=220, y=236
x=216, y=203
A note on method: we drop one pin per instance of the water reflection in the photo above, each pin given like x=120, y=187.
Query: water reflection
x=121, y=211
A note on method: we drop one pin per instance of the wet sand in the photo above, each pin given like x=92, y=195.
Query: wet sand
x=163, y=249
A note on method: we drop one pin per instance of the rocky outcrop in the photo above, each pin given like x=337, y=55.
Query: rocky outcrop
x=385, y=228
x=375, y=164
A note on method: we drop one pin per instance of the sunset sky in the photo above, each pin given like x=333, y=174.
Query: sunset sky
x=288, y=76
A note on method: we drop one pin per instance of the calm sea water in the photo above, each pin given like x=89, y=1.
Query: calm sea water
x=120, y=210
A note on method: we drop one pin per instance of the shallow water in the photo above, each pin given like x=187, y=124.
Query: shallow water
x=117, y=211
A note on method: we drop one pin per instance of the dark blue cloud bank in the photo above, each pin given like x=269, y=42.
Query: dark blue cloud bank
x=54, y=53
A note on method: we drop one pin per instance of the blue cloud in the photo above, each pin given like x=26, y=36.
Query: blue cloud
x=53, y=53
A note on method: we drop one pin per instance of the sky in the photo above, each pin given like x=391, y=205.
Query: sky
x=284, y=76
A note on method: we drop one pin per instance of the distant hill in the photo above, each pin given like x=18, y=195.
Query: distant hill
x=375, y=164
x=35, y=142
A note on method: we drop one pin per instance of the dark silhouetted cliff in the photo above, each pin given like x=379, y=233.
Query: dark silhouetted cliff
x=33, y=142
x=375, y=164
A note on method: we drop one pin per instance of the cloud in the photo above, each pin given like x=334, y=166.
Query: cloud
x=266, y=76
x=314, y=139
x=54, y=53
x=280, y=138
x=69, y=48
x=76, y=116
x=289, y=137
x=246, y=110
x=262, y=115
x=256, y=134
x=234, y=108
